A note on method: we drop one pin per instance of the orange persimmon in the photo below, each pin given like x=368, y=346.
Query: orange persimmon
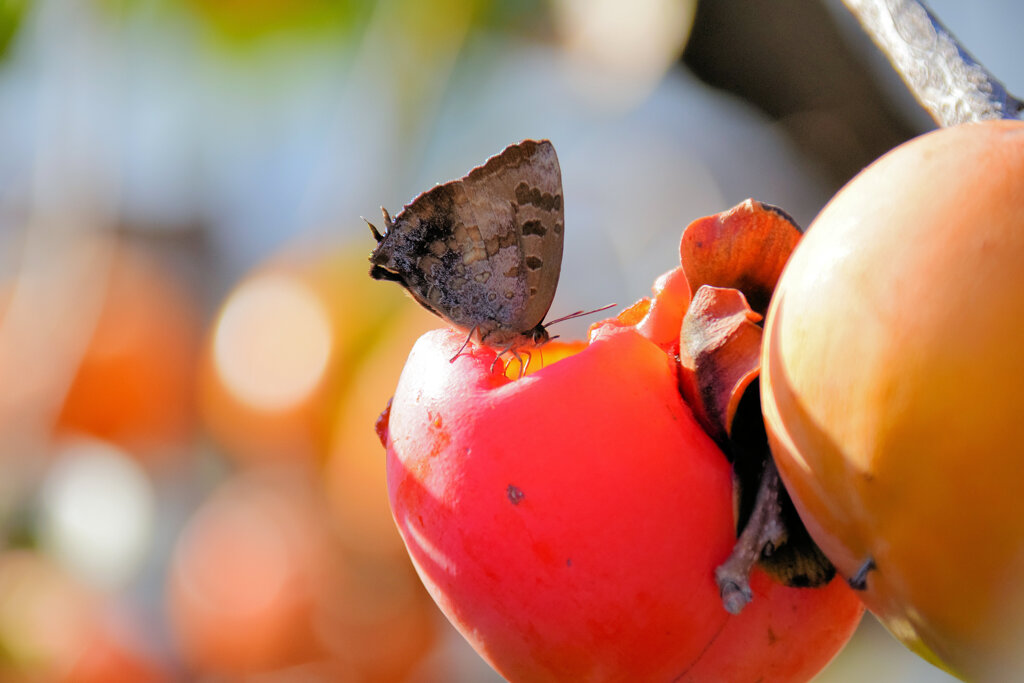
x=246, y=574
x=894, y=346
x=257, y=583
x=100, y=339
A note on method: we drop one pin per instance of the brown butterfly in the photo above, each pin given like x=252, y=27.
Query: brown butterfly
x=483, y=252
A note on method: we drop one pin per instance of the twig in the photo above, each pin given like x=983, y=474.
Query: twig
x=946, y=80
x=764, y=532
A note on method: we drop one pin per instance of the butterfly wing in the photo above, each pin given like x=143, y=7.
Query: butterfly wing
x=483, y=251
x=519, y=194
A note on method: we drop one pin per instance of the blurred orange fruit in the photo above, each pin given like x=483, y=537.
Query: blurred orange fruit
x=245, y=574
x=102, y=340
x=53, y=629
x=295, y=369
x=134, y=384
x=283, y=350
x=257, y=584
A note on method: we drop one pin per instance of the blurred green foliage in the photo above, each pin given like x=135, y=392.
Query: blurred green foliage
x=242, y=23
x=11, y=14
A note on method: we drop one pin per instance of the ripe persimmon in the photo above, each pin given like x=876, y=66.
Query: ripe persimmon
x=569, y=523
x=894, y=346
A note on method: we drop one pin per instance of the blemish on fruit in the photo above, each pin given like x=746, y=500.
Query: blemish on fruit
x=515, y=495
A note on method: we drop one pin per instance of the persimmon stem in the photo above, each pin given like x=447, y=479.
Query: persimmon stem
x=765, y=531
x=947, y=81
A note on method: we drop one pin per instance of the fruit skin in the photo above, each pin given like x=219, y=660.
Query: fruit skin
x=569, y=523
x=891, y=367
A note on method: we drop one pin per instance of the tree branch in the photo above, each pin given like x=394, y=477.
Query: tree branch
x=946, y=80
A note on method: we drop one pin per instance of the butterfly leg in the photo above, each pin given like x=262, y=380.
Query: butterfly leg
x=516, y=356
x=464, y=345
x=500, y=354
x=523, y=366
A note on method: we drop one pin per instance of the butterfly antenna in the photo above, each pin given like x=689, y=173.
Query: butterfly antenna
x=578, y=314
x=373, y=229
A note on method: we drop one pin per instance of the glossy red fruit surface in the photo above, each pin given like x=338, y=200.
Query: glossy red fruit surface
x=569, y=522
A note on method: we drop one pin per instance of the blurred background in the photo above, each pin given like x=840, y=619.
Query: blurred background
x=192, y=356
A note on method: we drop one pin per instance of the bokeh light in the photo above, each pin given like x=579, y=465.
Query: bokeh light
x=272, y=343
x=97, y=508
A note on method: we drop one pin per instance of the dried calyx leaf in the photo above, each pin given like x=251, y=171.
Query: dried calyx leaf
x=732, y=262
x=744, y=248
x=719, y=355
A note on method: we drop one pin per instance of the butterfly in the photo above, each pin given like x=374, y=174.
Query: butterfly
x=483, y=252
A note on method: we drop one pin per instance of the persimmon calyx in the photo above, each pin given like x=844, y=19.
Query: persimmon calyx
x=776, y=540
x=719, y=356
x=743, y=248
x=732, y=262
